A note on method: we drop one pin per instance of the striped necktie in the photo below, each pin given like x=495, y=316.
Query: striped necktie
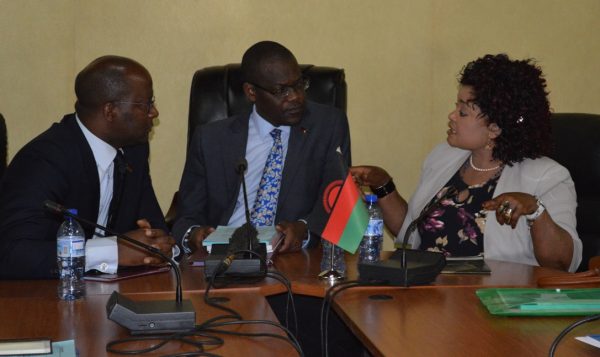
x=120, y=168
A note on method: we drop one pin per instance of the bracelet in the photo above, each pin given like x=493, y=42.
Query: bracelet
x=384, y=189
x=535, y=215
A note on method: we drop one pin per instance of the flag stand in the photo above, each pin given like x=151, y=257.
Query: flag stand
x=331, y=274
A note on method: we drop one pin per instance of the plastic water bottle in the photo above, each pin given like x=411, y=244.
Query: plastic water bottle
x=70, y=255
x=369, y=250
x=339, y=264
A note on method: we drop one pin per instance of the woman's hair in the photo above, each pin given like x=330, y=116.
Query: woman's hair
x=513, y=95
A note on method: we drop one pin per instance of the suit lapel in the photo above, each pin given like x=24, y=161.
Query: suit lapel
x=293, y=158
x=90, y=178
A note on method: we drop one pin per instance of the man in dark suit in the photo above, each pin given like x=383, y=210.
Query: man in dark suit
x=72, y=164
x=308, y=140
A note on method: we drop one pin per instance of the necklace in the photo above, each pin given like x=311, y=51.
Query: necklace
x=480, y=169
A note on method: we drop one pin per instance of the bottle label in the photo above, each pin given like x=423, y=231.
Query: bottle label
x=375, y=227
x=70, y=247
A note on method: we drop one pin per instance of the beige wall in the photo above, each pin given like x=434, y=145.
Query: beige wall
x=401, y=59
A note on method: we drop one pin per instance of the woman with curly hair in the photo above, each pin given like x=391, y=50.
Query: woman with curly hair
x=490, y=189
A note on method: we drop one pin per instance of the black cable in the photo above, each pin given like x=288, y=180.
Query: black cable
x=328, y=300
x=290, y=298
x=181, y=337
x=192, y=354
x=325, y=311
x=211, y=283
x=568, y=329
x=290, y=337
x=210, y=324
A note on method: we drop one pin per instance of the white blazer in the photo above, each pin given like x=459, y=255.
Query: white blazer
x=543, y=178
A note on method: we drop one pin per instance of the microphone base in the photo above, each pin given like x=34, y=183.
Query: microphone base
x=245, y=267
x=151, y=317
x=422, y=267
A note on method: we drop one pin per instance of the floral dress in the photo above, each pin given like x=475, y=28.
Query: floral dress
x=456, y=228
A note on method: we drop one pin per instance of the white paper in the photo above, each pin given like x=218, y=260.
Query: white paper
x=221, y=235
x=593, y=340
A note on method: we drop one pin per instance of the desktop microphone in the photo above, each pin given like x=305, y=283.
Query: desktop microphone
x=223, y=260
x=407, y=267
x=238, y=242
x=142, y=317
x=240, y=169
x=451, y=192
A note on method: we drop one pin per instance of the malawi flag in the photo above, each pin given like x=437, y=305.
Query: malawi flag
x=348, y=216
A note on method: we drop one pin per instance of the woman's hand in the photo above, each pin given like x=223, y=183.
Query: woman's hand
x=371, y=176
x=510, y=206
x=392, y=205
x=552, y=245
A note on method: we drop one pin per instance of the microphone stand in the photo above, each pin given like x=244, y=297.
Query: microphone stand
x=62, y=210
x=147, y=317
x=407, y=267
x=451, y=192
x=222, y=260
x=241, y=169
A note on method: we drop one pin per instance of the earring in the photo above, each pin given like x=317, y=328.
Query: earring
x=489, y=145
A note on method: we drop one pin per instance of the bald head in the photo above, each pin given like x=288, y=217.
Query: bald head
x=258, y=55
x=104, y=80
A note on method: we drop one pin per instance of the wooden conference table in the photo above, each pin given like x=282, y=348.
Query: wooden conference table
x=85, y=322
x=444, y=318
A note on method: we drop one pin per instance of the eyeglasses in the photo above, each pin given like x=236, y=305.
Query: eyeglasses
x=148, y=105
x=283, y=91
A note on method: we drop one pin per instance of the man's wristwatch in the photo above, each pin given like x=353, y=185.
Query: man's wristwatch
x=185, y=241
x=307, y=239
x=535, y=215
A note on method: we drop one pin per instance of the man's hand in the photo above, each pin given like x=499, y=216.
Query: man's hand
x=197, y=236
x=131, y=255
x=293, y=233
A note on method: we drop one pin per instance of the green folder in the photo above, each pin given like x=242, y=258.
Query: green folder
x=540, y=302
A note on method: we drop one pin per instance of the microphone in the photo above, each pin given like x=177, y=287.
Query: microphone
x=142, y=317
x=408, y=267
x=222, y=259
x=451, y=192
x=252, y=238
x=236, y=243
x=240, y=169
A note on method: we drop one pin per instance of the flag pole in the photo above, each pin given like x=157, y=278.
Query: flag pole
x=331, y=274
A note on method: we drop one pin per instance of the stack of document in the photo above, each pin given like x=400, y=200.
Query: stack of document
x=222, y=234
x=540, y=302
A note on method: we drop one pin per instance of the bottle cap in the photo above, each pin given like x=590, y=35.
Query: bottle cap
x=371, y=198
x=72, y=211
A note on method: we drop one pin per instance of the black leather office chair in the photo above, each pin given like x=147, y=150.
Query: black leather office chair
x=217, y=93
x=577, y=147
x=3, y=145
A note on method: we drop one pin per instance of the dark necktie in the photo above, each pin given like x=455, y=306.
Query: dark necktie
x=120, y=168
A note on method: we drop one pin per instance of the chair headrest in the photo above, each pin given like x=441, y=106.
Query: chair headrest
x=217, y=92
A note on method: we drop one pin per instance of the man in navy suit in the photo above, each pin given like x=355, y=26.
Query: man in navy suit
x=95, y=160
x=309, y=136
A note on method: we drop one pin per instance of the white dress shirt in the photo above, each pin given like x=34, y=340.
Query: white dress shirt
x=258, y=147
x=101, y=253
